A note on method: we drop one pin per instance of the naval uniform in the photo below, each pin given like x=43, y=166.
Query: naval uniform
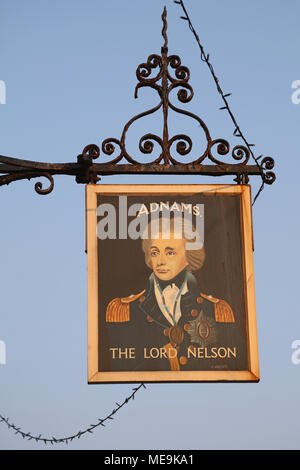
x=172, y=325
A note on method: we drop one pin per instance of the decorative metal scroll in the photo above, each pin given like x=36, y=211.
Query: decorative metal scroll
x=163, y=73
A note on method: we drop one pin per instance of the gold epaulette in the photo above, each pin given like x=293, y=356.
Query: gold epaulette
x=118, y=309
x=223, y=311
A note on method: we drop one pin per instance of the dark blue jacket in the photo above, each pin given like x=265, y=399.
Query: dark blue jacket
x=140, y=338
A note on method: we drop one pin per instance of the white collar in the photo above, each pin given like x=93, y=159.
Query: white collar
x=170, y=293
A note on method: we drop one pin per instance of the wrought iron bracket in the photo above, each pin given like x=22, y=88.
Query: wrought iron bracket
x=163, y=73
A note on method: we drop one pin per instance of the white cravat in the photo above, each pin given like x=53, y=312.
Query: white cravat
x=170, y=293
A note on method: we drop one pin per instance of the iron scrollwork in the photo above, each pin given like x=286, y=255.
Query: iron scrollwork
x=163, y=73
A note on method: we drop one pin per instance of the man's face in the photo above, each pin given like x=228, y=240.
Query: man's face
x=168, y=257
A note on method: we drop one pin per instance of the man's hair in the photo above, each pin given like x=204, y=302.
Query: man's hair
x=195, y=258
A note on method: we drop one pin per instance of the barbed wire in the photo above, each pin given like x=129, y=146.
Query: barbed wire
x=79, y=434
x=237, y=131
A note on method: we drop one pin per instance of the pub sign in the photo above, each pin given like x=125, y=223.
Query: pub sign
x=170, y=284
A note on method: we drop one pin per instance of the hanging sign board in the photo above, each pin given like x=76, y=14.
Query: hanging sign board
x=170, y=284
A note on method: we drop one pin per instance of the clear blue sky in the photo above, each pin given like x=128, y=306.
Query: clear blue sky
x=69, y=69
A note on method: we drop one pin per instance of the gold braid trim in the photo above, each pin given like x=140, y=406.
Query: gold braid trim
x=118, y=310
x=223, y=311
x=210, y=298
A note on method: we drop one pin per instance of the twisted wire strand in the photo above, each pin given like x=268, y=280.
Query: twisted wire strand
x=164, y=29
x=66, y=440
x=237, y=132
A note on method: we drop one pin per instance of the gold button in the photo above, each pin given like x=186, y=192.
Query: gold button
x=199, y=300
x=183, y=360
x=186, y=327
x=141, y=299
x=166, y=331
x=194, y=313
x=149, y=319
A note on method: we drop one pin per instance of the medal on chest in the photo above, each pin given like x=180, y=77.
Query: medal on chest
x=202, y=330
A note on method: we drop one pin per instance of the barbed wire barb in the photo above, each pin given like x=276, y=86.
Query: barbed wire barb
x=66, y=440
x=205, y=58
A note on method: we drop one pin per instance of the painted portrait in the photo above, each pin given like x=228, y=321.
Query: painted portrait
x=172, y=298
